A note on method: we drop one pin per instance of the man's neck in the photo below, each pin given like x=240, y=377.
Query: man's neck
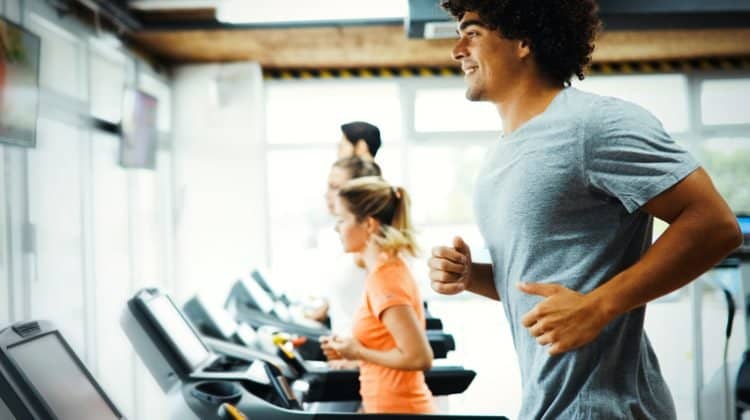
x=528, y=99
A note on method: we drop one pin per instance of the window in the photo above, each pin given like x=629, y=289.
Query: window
x=725, y=101
x=446, y=110
x=303, y=131
x=311, y=112
x=299, y=219
x=670, y=106
x=727, y=160
x=441, y=182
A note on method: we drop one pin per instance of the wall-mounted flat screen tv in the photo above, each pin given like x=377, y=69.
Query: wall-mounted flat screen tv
x=19, y=84
x=140, y=134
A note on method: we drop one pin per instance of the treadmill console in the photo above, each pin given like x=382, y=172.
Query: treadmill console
x=260, y=277
x=217, y=323
x=210, y=321
x=167, y=344
x=41, y=378
x=247, y=292
x=177, y=331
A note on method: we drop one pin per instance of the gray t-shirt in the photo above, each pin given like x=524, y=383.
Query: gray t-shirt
x=557, y=201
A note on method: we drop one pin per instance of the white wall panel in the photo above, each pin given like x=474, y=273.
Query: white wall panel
x=55, y=211
x=219, y=176
x=5, y=309
x=62, y=58
x=113, y=285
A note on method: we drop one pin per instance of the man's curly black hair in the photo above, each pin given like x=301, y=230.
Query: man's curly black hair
x=560, y=33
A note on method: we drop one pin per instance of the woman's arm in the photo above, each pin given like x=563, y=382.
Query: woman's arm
x=412, y=351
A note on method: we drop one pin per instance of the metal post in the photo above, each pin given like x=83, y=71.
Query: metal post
x=696, y=303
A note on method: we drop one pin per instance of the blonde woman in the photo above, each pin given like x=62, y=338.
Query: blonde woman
x=340, y=295
x=389, y=339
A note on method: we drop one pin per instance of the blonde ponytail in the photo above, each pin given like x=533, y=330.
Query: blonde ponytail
x=374, y=197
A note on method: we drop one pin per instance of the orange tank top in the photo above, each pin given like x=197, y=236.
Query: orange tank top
x=386, y=390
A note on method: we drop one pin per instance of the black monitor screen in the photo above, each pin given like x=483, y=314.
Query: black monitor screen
x=178, y=331
x=60, y=380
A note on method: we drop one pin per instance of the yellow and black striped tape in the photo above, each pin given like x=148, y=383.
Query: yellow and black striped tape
x=628, y=67
x=352, y=73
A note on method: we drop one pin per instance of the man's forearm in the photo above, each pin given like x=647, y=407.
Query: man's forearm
x=688, y=248
x=483, y=281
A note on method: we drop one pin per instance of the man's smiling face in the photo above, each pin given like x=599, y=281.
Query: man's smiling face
x=490, y=62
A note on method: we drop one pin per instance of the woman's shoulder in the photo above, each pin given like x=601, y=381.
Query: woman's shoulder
x=392, y=275
x=392, y=267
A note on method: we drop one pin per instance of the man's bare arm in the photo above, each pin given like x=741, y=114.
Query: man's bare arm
x=452, y=271
x=702, y=231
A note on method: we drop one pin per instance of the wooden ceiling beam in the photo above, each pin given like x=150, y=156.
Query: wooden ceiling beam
x=387, y=46
x=672, y=44
x=160, y=16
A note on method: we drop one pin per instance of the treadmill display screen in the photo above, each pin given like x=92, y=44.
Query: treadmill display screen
x=262, y=298
x=260, y=279
x=223, y=322
x=744, y=225
x=59, y=379
x=178, y=331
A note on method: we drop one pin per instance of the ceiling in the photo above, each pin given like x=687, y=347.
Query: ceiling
x=186, y=31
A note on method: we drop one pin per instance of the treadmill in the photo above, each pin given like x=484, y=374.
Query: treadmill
x=201, y=388
x=41, y=378
x=226, y=337
x=250, y=303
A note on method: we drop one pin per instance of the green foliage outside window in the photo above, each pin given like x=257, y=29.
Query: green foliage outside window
x=729, y=167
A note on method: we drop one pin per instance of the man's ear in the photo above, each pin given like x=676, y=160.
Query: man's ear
x=523, y=48
x=361, y=150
